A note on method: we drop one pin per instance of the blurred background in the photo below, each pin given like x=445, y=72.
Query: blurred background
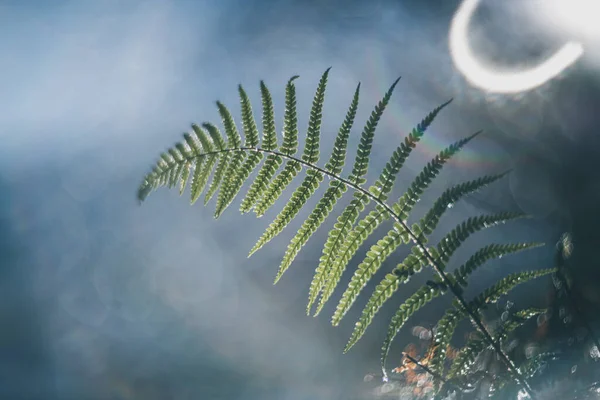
x=103, y=299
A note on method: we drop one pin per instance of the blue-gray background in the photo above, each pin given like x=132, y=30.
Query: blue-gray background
x=103, y=299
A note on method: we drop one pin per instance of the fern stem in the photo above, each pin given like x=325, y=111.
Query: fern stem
x=456, y=290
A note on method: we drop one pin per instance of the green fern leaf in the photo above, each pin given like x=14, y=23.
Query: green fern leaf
x=443, y=335
x=288, y=147
x=193, y=143
x=502, y=287
x=201, y=174
x=253, y=158
x=217, y=139
x=348, y=217
x=379, y=252
x=477, y=344
x=487, y=253
x=234, y=141
x=184, y=177
x=313, y=177
x=333, y=193
x=453, y=240
x=384, y=184
x=398, y=235
x=417, y=300
x=450, y=196
x=382, y=292
x=201, y=144
x=433, y=289
x=269, y=143
x=361, y=162
x=367, y=226
x=414, y=262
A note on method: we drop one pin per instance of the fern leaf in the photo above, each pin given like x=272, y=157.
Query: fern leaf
x=433, y=289
x=269, y=142
x=233, y=141
x=184, y=177
x=443, y=335
x=417, y=300
x=333, y=193
x=311, y=147
x=368, y=225
x=313, y=177
x=476, y=345
x=288, y=147
x=223, y=161
x=361, y=161
x=415, y=261
x=384, y=184
x=251, y=134
x=348, y=217
x=493, y=293
x=382, y=292
x=201, y=174
x=453, y=240
x=375, y=257
x=201, y=144
x=193, y=143
x=487, y=253
x=452, y=195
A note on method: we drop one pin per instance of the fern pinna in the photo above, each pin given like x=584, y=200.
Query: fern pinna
x=205, y=151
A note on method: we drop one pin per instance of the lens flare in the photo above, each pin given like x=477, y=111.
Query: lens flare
x=491, y=79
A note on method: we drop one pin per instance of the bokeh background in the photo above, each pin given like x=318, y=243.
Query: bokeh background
x=103, y=299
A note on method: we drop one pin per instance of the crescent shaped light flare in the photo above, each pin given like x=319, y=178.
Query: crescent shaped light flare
x=490, y=78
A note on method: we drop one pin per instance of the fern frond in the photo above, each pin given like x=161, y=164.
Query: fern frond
x=288, y=147
x=414, y=262
x=453, y=240
x=234, y=140
x=348, y=217
x=223, y=160
x=184, y=177
x=435, y=288
x=205, y=152
x=476, y=345
x=253, y=158
x=333, y=193
x=381, y=189
x=313, y=177
x=361, y=162
x=487, y=253
x=443, y=335
x=502, y=287
x=398, y=235
x=415, y=302
x=375, y=257
x=395, y=237
x=383, y=291
x=269, y=143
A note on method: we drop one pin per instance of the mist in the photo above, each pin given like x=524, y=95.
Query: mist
x=105, y=299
